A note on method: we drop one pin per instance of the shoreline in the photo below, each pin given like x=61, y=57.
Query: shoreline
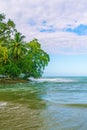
x=12, y=81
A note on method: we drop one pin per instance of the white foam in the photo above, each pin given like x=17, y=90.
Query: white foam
x=51, y=80
x=2, y=104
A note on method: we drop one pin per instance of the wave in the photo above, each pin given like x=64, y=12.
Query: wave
x=55, y=80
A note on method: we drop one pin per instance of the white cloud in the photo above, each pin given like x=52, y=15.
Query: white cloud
x=58, y=14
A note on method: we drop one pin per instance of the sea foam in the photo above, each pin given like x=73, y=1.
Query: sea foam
x=2, y=104
x=51, y=80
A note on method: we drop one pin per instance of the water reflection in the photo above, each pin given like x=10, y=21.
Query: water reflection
x=21, y=108
x=25, y=94
x=43, y=106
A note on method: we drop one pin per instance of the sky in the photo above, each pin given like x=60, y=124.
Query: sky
x=61, y=28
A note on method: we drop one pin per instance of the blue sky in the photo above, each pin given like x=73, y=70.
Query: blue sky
x=67, y=65
x=61, y=28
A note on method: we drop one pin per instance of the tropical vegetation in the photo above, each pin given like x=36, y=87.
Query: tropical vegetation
x=18, y=56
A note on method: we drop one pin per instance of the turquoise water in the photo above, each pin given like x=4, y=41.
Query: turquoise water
x=44, y=104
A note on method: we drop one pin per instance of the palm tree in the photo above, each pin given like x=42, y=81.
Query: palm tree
x=7, y=29
x=17, y=46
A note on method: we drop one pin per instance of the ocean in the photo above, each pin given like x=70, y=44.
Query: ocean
x=52, y=103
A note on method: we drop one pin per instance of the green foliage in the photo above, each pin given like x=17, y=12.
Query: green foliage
x=18, y=56
x=12, y=70
x=3, y=55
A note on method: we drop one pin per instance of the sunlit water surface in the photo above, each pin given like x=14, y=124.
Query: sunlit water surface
x=44, y=104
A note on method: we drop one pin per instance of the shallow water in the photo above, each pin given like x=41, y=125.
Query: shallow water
x=44, y=104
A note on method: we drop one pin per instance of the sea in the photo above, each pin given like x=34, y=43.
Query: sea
x=49, y=103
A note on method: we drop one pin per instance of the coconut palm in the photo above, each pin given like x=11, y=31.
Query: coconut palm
x=17, y=46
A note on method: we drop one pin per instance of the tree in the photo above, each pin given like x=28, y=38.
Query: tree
x=18, y=56
x=7, y=30
x=17, y=47
x=3, y=55
x=35, y=59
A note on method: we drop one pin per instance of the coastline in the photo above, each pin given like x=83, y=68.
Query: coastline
x=12, y=81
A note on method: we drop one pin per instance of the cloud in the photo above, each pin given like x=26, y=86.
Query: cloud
x=64, y=43
x=56, y=23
